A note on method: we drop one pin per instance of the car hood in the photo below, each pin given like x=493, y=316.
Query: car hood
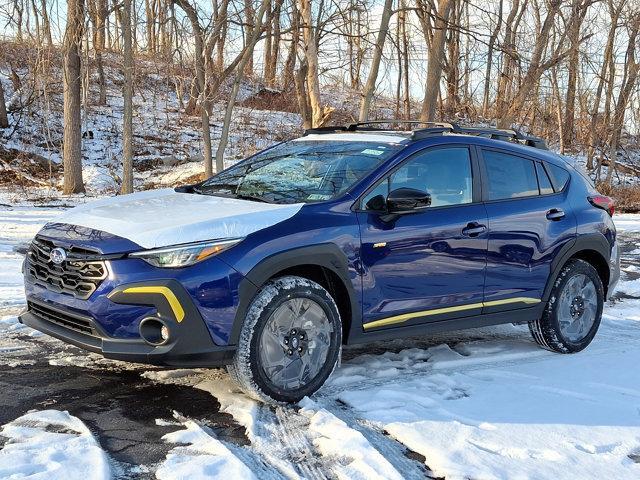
x=159, y=218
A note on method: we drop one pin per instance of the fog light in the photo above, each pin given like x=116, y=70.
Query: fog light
x=154, y=331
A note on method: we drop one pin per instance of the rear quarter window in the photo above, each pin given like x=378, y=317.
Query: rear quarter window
x=558, y=175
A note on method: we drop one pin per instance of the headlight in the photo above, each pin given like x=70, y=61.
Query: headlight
x=184, y=255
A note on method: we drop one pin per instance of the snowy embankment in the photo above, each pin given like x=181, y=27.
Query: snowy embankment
x=483, y=403
x=51, y=445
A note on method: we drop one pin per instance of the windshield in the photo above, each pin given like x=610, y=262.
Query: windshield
x=299, y=171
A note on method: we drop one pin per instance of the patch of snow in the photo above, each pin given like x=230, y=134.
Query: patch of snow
x=353, y=457
x=243, y=409
x=554, y=416
x=51, y=445
x=627, y=222
x=200, y=456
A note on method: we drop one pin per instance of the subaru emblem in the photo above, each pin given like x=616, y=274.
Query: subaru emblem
x=57, y=256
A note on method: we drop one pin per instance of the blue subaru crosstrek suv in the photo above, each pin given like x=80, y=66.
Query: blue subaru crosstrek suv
x=345, y=235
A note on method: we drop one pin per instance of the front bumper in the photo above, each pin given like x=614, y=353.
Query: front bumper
x=189, y=343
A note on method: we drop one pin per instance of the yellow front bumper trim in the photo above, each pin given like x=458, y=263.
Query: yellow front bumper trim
x=177, y=309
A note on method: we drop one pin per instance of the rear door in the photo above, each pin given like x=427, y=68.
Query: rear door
x=529, y=222
x=428, y=265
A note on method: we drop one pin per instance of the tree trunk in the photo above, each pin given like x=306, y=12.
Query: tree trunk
x=4, y=120
x=72, y=149
x=249, y=15
x=302, y=96
x=271, y=60
x=606, y=60
x=536, y=67
x=632, y=69
x=370, y=85
x=46, y=24
x=247, y=56
x=127, y=93
x=198, y=35
x=434, y=64
x=578, y=10
x=490, y=48
x=290, y=63
x=319, y=114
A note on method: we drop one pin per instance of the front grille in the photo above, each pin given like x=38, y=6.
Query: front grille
x=65, y=319
x=74, y=276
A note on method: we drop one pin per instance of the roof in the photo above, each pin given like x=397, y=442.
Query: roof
x=372, y=129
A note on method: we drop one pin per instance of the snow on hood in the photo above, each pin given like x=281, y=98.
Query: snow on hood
x=159, y=218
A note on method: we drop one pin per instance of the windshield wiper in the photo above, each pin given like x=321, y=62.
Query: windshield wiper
x=254, y=198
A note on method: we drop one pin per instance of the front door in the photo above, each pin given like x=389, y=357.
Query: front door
x=428, y=265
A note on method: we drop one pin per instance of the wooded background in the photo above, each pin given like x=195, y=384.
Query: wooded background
x=566, y=70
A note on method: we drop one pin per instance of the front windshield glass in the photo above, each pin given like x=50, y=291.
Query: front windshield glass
x=300, y=171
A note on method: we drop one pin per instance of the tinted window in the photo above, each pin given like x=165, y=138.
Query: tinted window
x=444, y=173
x=559, y=176
x=509, y=176
x=543, y=180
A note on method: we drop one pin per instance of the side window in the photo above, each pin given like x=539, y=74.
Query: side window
x=559, y=176
x=509, y=176
x=444, y=173
x=543, y=180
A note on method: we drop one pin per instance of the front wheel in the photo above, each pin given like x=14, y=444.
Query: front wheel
x=290, y=341
x=572, y=316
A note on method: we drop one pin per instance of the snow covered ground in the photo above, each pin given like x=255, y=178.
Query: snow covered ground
x=481, y=404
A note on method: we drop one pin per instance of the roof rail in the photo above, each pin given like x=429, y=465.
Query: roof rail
x=436, y=128
x=352, y=127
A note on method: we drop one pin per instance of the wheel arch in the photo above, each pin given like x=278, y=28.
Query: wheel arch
x=324, y=264
x=594, y=249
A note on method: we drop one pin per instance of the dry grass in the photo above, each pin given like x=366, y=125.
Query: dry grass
x=627, y=197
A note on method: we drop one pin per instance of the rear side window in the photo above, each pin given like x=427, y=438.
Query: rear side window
x=559, y=176
x=543, y=180
x=509, y=176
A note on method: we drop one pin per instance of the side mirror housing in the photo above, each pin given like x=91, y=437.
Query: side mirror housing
x=407, y=200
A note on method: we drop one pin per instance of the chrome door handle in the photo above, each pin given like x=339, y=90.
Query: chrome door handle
x=555, y=214
x=473, y=229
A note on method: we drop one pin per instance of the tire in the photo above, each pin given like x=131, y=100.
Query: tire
x=577, y=295
x=290, y=341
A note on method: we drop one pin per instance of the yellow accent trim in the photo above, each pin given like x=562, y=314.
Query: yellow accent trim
x=436, y=311
x=505, y=301
x=178, y=311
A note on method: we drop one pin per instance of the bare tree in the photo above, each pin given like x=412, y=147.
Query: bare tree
x=205, y=104
x=631, y=71
x=370, y=85
x=72, y=149
x=319, y=113
x=578, y=12
x=246, y=55
x=127, y=93
x=436, y=57
x=615, y=9
x=4, y=120
x=536, y=66
x=490, y=49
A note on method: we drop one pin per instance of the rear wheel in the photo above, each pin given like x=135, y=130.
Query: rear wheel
x=572, y=316
x=290, y=341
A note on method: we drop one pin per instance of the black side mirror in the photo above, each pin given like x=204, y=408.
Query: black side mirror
x=406, y=200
